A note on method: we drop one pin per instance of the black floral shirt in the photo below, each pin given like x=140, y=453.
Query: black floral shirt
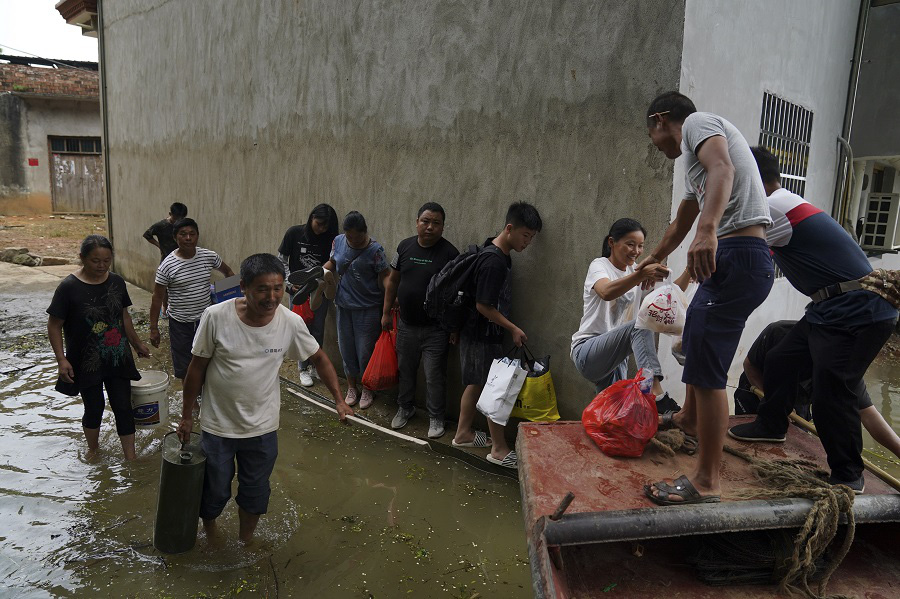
x=94, y=330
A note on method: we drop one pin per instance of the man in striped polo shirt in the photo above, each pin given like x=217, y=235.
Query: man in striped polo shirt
x=184, y=275
x=833, y=344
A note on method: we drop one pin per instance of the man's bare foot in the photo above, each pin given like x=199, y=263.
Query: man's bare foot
x=214, y=538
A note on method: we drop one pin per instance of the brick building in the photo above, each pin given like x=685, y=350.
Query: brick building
x=50, y=146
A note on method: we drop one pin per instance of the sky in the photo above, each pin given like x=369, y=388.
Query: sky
x=35, y=27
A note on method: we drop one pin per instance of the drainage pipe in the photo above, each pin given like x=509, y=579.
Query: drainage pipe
x=837, y=206
x=104, y=120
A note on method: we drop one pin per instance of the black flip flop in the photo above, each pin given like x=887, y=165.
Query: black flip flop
x=682, y=488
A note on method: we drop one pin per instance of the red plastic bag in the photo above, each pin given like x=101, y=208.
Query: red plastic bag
x=304, y=311
x=621, y=420
x=382, y=372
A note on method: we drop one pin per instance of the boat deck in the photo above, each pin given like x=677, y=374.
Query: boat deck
x=613, y=539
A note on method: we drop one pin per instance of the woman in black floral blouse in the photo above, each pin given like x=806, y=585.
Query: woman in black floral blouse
x=90, y=309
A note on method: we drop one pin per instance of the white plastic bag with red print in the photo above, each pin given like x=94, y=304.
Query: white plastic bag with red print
x=663, y=309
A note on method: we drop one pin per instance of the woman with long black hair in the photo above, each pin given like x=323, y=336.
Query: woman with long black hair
x=612, y=296
x=305, y=246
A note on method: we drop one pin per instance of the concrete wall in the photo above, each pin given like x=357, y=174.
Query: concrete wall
x=876, y=122
x=251, y=113
x=38, y=118
x=800, y=51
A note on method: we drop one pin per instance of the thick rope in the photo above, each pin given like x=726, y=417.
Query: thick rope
x=799, y=478
x=792, y=479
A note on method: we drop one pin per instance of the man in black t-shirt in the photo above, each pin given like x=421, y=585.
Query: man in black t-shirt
x=418, y=337
x=480, y=341
x=161, y=233
x=164, y=234
x=747, y=394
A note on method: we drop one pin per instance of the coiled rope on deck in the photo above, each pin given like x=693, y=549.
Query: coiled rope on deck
x=803, y=479
x=795, y=479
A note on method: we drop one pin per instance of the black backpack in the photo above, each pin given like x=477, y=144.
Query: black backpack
x=450, y=297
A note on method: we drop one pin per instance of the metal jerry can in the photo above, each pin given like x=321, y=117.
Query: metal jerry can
x=180, y=488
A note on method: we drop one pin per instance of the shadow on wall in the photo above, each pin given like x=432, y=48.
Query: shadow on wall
x=19, y=205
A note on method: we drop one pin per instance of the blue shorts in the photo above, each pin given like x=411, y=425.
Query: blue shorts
x=255, y=461
x=717, y=315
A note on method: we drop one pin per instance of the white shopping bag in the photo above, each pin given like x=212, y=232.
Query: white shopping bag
x=499, y=394
x=663, y=310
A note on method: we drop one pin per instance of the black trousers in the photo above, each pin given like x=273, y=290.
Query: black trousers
x=835, y=358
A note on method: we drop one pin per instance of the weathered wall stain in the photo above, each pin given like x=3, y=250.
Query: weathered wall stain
x=252, y=113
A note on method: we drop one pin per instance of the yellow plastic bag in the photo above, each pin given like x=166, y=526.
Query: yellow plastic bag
x=537, y=399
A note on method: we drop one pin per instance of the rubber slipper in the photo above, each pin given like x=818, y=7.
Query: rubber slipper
x=301, y=277
x=510, y=461
x=691, y=444
x=682, y=488
x=480, y=440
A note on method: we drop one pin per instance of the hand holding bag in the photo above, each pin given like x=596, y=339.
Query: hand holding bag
x=382, y=371
x=537, y=399
x=663, y=310
x=504, y=381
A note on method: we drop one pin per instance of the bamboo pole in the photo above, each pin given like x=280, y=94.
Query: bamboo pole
x=877, y=471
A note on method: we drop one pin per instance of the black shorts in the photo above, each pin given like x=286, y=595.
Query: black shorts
x=181, y=339
x=475, y=358
x=717, y=315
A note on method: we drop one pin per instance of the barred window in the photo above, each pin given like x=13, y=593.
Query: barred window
x=75, y=145
x=785, y=129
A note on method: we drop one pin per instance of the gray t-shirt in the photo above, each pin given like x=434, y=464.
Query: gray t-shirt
x=747, y=205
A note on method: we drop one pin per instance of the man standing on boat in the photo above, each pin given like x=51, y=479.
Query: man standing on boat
x=842, y=331
x=238, y=351
x=728, y=255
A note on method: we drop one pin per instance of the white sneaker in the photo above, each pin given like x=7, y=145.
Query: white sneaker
x=435, y=428
x=351, y=397
x=366, y=400
x=313, y=372
x=305, y=378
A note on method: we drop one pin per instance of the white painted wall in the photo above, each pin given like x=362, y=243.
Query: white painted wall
x=733, y=53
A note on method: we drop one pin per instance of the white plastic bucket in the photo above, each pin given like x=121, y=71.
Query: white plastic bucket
x=149, y=402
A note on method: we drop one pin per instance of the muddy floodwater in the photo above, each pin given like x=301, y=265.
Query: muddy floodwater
x=883, y=382
x=353, y=513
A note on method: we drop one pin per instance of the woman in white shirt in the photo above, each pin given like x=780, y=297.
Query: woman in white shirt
x=612, y=296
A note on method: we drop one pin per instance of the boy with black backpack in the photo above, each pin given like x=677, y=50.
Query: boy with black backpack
x=481, y=338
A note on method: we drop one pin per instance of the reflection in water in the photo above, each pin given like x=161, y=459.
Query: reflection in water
x=884, y=375
x=352, y=513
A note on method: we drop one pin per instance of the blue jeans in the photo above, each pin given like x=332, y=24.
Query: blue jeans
x=317, y=326
x=358, y=330
x=603, y=359
x=255, y=460
x=428, y=344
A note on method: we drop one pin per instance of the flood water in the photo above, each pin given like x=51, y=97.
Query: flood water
x=883, y=381
x=352, y=514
